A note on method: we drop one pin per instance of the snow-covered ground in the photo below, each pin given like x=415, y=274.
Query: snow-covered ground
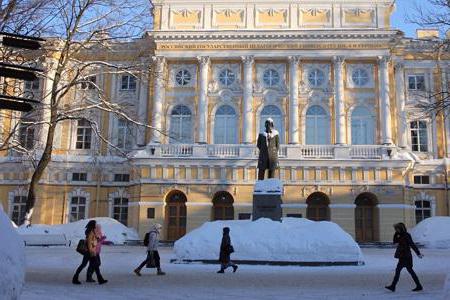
x=292, y=240
x=50, y=270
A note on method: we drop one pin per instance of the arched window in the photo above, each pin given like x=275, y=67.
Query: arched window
x=318, y=207
x=176, y=215
x=18, y=209
x=120, y=210
x=271, y=111
x=223, y=206
x=225, y=126
x=317, y=126
x=423, y=210
x=181, y=125
x=77, y=208
x=362, y=127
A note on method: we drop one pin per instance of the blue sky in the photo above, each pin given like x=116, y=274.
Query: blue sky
x=403, y=8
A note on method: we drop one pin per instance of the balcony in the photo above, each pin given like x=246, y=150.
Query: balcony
x=243, y=151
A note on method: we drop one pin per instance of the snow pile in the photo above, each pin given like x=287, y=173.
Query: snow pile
x=12, y=260
x=433, y=232
x=115, y=232
x=292, y=240
x=269, y=186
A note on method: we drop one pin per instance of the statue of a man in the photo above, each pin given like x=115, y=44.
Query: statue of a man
x=268, y=144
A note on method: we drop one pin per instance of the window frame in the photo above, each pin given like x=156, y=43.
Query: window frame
x=422, y=209
x=86, y=128
x=79, y=176
x=358, y=83
x=224, y=80
x=77, y=205
x=130, y=83
x=415, y=83
x=269, y=79
x=418, y=130
x=19, y=209
x=316, y=79
x=182, y=119
x=325, y=117
x=231, y=134
x=121, y=206
x=180, y=77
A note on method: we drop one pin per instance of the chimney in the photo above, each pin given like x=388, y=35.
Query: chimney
x=427, y=34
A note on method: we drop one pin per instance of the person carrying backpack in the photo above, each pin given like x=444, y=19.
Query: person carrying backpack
x=151, y=240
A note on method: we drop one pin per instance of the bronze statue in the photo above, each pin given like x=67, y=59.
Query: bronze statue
x=268, y=144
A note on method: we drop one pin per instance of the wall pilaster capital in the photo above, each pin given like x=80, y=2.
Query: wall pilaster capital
x=384, y=60
x=159, y=63
x=248, y=60
x=294, y=59
x=338, y=61
x=204, y=61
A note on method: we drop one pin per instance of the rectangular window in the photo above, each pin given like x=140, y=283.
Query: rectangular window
x=419, y=136
x=124, y=134
x=294, y=216
x=128, y=83
x=121, y=177
x=244, y=216
x=89, y=83
x=120, y=210
x=26, y=135
x=421, y=179
x=77, y=208
x=32, y=85
x=416, y=82
x=84, y=135
x=79, y=176
x=150, y=213
x=18, y=209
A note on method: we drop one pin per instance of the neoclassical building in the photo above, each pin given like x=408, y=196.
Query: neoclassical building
x=341, y=85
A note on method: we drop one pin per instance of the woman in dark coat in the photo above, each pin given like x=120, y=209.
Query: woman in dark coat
x=225, y=250
x=91, y=255
x=403, y=252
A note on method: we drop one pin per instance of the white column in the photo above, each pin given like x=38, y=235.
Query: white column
x=203, y=99
x=247, y=128
x=158, y=97
x=339, y=100
x=50, y=69
x=385, y=103
x=447, y=112
x=294, y=129
x=142, y=108
x=401, y=102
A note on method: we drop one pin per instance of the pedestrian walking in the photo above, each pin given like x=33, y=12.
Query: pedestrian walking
x=153, y=259
x=100, y=240
x=225, y=251
x=90, y=254
x=403, y=253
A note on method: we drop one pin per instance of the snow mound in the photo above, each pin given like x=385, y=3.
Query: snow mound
x=12, y=260
x=292, y=240
x=433, y=232
x=115, y=232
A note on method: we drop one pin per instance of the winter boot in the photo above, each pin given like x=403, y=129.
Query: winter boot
x=137, y=272
x=75, y=280
x=391, y=288
x=90, y=279
x=103, y=281
x=418, y=288
x=159, y=272
x=235, y=269
x=221, y=271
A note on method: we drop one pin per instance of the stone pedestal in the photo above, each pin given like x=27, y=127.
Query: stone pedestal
x=267, y=199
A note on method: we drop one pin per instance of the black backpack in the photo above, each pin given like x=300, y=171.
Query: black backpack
x=146, y=239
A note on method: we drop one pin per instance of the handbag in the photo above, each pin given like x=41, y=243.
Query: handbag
x=150, y=260
x=82, y=247
x=230, y=249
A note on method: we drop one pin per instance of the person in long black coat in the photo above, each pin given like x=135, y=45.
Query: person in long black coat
x=225, y=251
x=405, y=260
x=268, y=144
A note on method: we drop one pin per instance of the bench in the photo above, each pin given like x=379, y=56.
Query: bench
x=45, y=240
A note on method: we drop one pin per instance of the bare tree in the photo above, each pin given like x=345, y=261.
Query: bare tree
x=434, y=14
x=86, y=40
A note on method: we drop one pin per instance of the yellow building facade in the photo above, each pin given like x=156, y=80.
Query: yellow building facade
x=341, y=85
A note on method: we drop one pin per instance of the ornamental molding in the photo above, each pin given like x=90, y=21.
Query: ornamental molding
x=174, y=69
x=261, y=87
x=216, y=86
x=164, y=189
x=369, y=68
x=309, y=190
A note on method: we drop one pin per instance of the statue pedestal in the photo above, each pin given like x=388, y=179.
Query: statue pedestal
x=267, y=199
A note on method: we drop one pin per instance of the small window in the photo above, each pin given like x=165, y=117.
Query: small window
x=423, y=210
x=79, y=176
x=244, y=216
x=227, y=77
x=32, y=85
x=89, y=83
x=183, y=77
x=416, y=82
x=316, y=78
x=18, y=209
x=84, y=135
x=121, y=177
x=150, y=213
x=294, y=216
x=26, y=134
x=421, y=179
x=128, y=83
x=360, y=77
x=271, y=77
